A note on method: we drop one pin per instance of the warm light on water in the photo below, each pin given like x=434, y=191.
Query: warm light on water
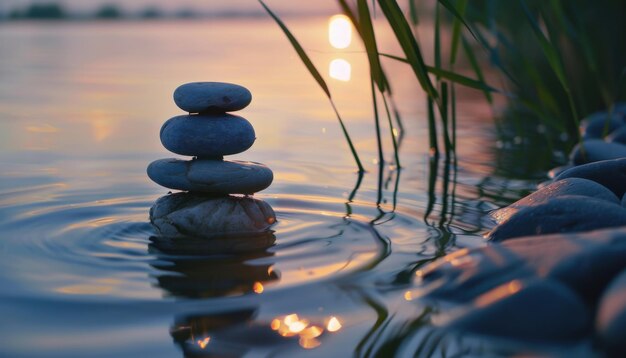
x=340, y=31
x=340, y=69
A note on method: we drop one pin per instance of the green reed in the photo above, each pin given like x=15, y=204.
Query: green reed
x=361, y=17
x=561, y=59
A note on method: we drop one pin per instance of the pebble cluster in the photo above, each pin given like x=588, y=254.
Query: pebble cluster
x=556, y=269
x=208, y=133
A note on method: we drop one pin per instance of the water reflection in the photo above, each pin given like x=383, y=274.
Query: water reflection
x=340, y=69
x=339, y=31
x=201, y=268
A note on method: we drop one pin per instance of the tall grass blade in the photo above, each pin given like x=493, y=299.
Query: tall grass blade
x=478, y=84
x=448, y=5
x=393, y=132
x=432, y=128
x=369, y=40
x=554, y=60
x=318, y=77
x=456, y=32
x=437, y=42
x=409, y=45
x=476, y=67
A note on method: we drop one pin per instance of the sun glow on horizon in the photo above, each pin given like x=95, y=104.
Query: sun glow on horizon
x=340, y=31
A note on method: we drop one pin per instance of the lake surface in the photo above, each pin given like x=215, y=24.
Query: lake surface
x=81, y=105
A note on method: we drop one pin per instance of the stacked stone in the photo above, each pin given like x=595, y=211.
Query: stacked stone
x=208, y=133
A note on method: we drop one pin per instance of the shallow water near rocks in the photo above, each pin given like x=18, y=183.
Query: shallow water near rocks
x=81, y=274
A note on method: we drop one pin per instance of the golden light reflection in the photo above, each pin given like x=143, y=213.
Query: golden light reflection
x=204, y=342
x=340, y=69
x=85, y=289
x=333, y=324
x=275, y=325
x=44, y=128
x=339, y=31
x=308, y=333
x=499, y=293
x=258, y=288
x=309, y=343
x=408, y=296
x=312, y=332
x=101, y=126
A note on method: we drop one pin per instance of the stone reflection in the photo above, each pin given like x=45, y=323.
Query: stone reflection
x=201, y=268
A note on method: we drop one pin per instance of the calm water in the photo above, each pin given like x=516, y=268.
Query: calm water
x=81, y=106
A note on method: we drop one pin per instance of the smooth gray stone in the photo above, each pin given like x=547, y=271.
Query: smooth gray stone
x=189, y=215
x=207, y=135
x=211, y=176
x=611, y=317
x=559, y=188
x=617, y=136
x=596, y=150
x=609, y=173
x=584, y=262
x=536, y=310
x=213, y=97
x=599, y=124
x=563, y=214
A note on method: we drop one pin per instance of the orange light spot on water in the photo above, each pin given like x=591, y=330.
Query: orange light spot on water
x=408, y=296
x=275, y=325
x=309, y=343
x=204, y=342
x=333, y=324
x=289, y=319
x=258, y=288
x=271, y=220
x=312, y=332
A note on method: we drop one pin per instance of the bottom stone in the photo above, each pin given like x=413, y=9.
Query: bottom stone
x=191, y=215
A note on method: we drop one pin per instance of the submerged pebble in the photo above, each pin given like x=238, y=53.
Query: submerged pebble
x=207, y=135
x=211, y=176
x=213, y=97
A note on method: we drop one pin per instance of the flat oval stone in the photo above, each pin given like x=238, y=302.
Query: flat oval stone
x=185, y=215
x=213, y=97
x=609, y=173
x=569, y=213
x=211, y=176
x=561, y=187
x=207, y=135
x=595, y=150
